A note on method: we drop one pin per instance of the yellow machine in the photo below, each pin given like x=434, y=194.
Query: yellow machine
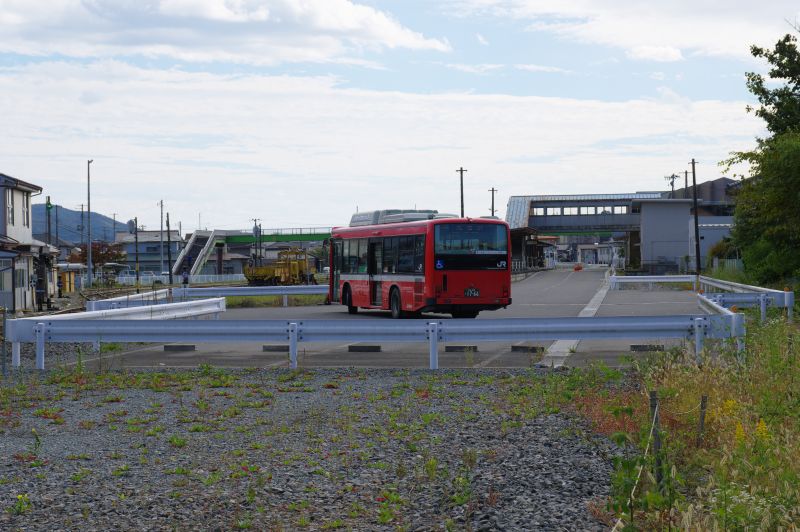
x=291, y=268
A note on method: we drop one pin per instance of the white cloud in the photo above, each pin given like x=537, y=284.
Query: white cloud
x=658, y=76
x=542, y=68
x=706, y=28
x=664, y=54
x=301, y=151
x=481, y=39
x=239, y=31
x=474, y=69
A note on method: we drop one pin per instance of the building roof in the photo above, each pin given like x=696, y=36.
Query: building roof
x=60, y=242
x=518, y=206
x=8, y=181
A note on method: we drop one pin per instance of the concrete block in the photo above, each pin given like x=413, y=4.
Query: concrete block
x=646, y=347
x=460, y=348
x=527, y=348
x=179, y=347
x=275, y=348
x=363, y=348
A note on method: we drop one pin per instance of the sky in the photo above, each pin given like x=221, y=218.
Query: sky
x=298, y=113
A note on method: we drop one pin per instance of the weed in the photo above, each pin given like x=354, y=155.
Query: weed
x=21, y=505
x=177, y=442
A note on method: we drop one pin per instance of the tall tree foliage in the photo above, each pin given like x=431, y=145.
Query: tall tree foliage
x=767, y=217
x=780, y=106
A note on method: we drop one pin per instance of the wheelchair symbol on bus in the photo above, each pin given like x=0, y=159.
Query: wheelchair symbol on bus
x=439, y=264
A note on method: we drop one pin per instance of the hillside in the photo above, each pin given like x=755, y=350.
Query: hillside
x=69, y=221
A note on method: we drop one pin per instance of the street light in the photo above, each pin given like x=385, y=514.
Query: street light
x=89, y=218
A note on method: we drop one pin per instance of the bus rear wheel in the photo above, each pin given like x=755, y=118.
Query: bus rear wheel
x=395, y=304
x=466, y=314
x=347, y=299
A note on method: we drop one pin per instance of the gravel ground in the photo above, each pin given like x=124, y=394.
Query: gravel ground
x=282, y=450
x=67, y=354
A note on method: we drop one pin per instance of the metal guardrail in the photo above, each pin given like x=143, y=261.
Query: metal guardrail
x=433, y=332
x=130, y=300
x=147, y=280
x=28, y=329
x=742, y=295
x=244, y=291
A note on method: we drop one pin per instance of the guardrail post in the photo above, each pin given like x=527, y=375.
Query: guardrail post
x=739, y=332
x=285, y=300
x=699, y=334
x=433, y=339
x=293, y=345
x=96, y=345
x=788, y=301
x=39, y=345
x=762, y=303
x=15, y=351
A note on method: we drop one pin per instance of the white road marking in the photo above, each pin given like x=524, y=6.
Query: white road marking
x=560, y=350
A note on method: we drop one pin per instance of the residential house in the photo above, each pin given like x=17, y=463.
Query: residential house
x=150, y=249
x=27, y=269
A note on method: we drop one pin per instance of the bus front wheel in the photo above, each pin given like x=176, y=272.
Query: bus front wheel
x=395, y=305
x=347, y=299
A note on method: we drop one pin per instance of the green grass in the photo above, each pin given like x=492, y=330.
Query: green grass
x=744, y=473
x=272, y=301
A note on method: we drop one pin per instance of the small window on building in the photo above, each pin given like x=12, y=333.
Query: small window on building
x=26, y=209
x=620, y=209
x=10, y=206
x=553, y=211
x=570, y=211
x=537, y=211
x=604, y=210
x=587, y=210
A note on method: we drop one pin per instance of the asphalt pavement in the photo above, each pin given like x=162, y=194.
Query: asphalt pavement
x=557, y=293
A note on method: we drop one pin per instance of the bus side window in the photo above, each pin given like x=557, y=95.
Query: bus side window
x=362, y=255
x=389, y=255
x=419, y=254
x=345, y=256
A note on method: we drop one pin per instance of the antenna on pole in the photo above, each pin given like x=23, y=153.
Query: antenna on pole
x=671, y=179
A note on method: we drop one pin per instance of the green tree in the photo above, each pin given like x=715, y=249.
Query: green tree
x=780, y=106
x=767, y=217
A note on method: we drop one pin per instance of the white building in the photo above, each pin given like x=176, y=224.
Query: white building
x=25, y=263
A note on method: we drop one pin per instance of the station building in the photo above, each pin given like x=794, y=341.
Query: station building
x=649, y=231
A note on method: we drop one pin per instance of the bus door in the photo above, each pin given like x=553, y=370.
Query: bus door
x=375, y=264
x=336, y=269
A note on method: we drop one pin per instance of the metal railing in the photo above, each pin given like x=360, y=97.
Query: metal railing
x=432, y=332
x=131, y=300
x=147, y=280
x=36, y=329
x=741, y=295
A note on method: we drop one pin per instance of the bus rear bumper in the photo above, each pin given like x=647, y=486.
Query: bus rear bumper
x=432, y=305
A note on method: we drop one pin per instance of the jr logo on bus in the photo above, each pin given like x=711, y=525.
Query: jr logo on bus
x=501, y=264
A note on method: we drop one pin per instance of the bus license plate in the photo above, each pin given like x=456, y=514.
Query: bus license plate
x=472, y=292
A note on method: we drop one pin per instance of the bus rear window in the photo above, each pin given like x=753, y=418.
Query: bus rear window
x=470, y=239
x=470, y=247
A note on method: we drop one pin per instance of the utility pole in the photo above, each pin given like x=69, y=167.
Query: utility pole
x=696, y=224
x=48, y=208
x=58, y=242
x=136, y=244
x=81, y=226
x=169, y=250
x=257, y=238
x=89, y=225
x=114, y=226
x=461, y=171
x=685, y=184
x=492, y=190
x=161, y=203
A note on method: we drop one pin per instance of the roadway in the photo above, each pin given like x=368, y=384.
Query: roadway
x=556, y=293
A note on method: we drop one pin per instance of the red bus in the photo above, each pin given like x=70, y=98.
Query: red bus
x=459, y=266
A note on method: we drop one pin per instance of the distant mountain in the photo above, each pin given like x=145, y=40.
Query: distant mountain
x=103, y=227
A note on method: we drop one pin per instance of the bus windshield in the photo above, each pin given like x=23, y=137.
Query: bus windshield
x=470, y=246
